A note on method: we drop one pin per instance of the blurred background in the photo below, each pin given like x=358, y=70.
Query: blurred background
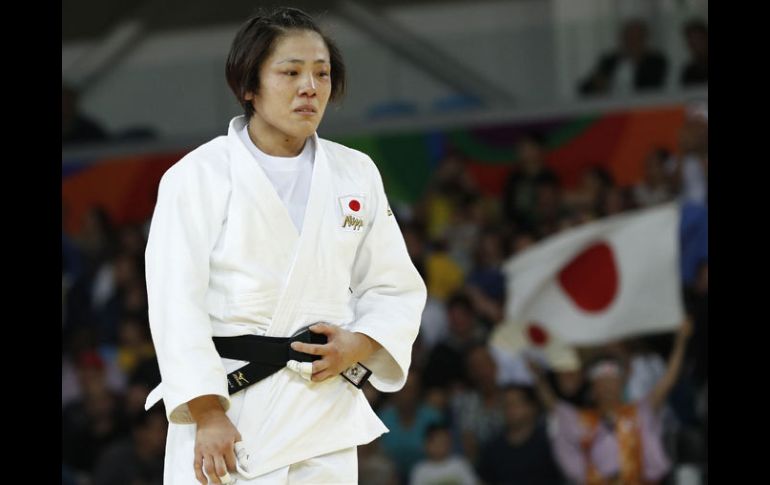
x=497, y=125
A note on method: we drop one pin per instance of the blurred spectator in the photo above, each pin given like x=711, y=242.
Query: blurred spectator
x=416, y=245
x=131, y=241
x=520, y=195
x=521, y=454
x=97, y=246
x=586, y=198
x=463, y=230
x=374, y=466
x=485, y=284
x=615, y=201
x=696, y=301
x=434, y=326
x=137, y=460
x=444, y=276
x=696, y=71
x=77, y=128
x=118, y=288
x=83, y=341
x=646, y=368
x=570, y=386
x=693, y=240
x=549, y=211
x=654, y=188
x=143, y=379
x=633, y=67
x=449, y=185
x=477, y=413
x=92, y=421
x=613, y=442
x=445, y=365
x=134, y=342
x=441, y=467
x=441, y=274
x=98, y=238
x=520, y=241
x=689, y=170
x=407, y=417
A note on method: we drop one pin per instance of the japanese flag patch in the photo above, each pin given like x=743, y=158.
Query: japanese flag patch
x=352, y=212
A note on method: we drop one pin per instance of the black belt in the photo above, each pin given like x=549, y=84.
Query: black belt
x=268, y=355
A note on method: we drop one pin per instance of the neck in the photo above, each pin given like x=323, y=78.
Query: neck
x=271, y=141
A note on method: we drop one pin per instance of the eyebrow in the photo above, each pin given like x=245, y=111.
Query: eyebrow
x=300, y=61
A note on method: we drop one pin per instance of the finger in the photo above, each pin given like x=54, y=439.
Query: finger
x=321, y=376
x=220, y=466
x=198, y=466
x=210, y=469
x=320, y=365
x=312, y=349
x=230, y=459
x=323, y=328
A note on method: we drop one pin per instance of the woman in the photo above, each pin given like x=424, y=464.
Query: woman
x=256, y=236
x=614, y=442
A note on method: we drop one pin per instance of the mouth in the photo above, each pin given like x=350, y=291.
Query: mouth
x=306, y=110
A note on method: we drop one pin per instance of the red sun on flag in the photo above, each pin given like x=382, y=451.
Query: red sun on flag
x=591, y=279
x=537, y=334
x=354, y=205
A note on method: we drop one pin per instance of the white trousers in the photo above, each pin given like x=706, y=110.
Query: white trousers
x=337, y=468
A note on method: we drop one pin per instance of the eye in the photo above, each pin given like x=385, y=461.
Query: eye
x=323, y=74
x=291, y=73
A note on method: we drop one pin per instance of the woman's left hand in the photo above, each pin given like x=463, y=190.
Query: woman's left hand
x=342, y=349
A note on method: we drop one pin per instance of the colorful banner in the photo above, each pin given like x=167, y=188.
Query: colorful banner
x=617, y=141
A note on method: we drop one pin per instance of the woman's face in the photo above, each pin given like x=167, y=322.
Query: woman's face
x=295, y=85
x=607, y=390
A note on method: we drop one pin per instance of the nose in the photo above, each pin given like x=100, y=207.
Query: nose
x=308, y=86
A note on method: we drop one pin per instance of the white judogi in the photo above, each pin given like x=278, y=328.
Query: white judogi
x=223, y=258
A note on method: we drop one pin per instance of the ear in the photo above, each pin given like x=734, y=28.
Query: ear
x=249, y=96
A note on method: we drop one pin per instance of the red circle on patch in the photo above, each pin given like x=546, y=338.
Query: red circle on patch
x=591, y=279
x=354, y=205
x=537, y=334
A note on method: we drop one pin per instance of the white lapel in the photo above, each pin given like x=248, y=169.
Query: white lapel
x=306, y=248
x=250, y=179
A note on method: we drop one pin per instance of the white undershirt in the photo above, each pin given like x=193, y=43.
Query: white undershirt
x=290, y=176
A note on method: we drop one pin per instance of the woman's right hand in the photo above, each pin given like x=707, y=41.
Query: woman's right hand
x=215, y=439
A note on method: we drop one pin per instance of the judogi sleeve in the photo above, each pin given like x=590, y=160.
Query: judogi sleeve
x=185, y=225
x=390, y=294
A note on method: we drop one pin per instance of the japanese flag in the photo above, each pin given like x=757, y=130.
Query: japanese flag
x=599, y=282
x=352, y=205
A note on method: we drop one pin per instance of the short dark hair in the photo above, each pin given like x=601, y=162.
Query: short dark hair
x=435, y=427
x=459, y=299
x=527, y=391
x=254, y=43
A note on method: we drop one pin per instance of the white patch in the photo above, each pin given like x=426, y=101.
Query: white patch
x=353, y=207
